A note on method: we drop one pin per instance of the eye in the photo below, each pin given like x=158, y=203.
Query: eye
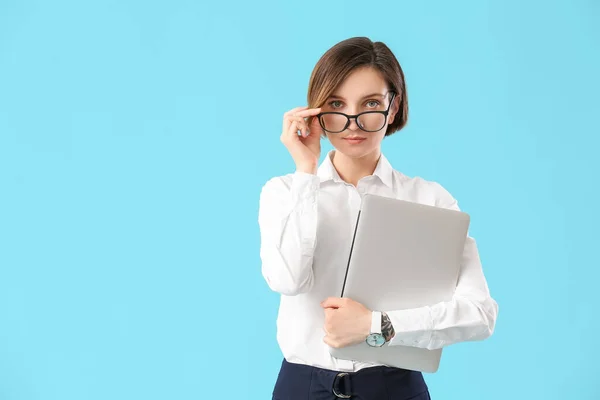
x=335, y=104
x=373, y=103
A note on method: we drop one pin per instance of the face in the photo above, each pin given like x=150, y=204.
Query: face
x=363, y=90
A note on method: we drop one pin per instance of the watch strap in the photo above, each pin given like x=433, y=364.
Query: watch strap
x=376, y=322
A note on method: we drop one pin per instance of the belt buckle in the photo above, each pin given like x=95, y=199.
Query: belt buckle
x=335, y=381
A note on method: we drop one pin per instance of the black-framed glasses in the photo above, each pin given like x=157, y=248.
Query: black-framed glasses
x=368, y=121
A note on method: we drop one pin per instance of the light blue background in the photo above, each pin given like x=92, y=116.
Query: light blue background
x=135, y=137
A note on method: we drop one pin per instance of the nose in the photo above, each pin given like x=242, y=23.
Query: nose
x=353, y=126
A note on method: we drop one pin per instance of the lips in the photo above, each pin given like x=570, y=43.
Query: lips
x=354, y=139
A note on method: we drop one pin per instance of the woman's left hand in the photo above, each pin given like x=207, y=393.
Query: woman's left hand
x=347, y=322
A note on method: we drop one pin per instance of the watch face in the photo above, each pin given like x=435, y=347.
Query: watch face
x=375, y=340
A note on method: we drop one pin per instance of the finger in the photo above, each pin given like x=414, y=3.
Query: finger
x=287, y=121
x=300, y=125
x=295, y=118
x=293, y=129
x=331, y=302
x=301, y=114
x=307, y=113
x=289, y=113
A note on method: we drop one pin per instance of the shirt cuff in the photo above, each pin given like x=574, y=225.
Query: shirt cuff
x=412, y=327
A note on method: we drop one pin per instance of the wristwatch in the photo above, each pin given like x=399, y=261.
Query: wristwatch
x=376, y=338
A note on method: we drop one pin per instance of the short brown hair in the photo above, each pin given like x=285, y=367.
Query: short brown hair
x=345, y=57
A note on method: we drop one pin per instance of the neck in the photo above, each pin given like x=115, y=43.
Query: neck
x=351, y=170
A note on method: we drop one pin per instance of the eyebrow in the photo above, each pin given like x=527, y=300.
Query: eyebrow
x=334, y=96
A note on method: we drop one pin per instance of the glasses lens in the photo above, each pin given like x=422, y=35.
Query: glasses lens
x=334, y=122
x=371, y=121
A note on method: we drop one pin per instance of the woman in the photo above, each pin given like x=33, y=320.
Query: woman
x=356, y=97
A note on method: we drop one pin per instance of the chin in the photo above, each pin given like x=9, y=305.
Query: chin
x=355, y=151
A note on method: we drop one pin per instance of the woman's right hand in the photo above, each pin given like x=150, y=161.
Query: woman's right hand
x=305, y=149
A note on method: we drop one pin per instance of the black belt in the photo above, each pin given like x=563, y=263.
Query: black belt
x=345, y=383
x=300, y=380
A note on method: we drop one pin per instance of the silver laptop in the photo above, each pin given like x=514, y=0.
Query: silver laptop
x=404, y=255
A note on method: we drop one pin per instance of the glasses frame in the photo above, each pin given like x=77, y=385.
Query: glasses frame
x=355, y=117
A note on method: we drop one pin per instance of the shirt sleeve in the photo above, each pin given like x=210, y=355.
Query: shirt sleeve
x=470, y=315
x=287, y=219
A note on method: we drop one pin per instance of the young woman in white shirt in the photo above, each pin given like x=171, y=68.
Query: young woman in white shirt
x=356, y=97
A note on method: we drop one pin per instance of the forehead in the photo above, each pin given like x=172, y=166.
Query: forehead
x=360, y=83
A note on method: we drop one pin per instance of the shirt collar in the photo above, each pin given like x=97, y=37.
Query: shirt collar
x=327, y=171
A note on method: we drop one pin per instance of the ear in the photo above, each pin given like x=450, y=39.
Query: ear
x=394, y=109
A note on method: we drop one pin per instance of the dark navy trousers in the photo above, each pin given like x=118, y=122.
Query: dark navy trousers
x=304, y=382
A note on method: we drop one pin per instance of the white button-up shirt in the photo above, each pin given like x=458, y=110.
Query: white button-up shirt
x=306, y=224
